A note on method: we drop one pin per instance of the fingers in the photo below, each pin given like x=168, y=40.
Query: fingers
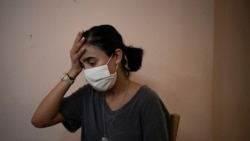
x=77, y=50
x=75, y=55
x=80, y=53
x=75, y=59
x=79, y=36
x=78, y=43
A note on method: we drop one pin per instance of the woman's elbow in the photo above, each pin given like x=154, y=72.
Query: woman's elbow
x=38, y=124
x=42, y=123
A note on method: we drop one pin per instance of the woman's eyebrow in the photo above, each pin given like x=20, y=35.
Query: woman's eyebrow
x=87, y=59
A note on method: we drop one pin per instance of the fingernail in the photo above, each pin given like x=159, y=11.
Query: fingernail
x=83, y=38
x=82, y=48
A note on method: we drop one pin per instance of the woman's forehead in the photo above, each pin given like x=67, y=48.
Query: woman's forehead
x=93, y=51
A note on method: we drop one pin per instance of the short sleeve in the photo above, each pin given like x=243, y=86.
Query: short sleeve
x=155, y=118
x=71, y=110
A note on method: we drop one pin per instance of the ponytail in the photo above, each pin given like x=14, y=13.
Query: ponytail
x=133, y=59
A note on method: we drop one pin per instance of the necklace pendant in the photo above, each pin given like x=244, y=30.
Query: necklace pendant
x=104, y=139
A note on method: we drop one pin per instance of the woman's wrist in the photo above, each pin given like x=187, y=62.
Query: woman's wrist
x=73, y=73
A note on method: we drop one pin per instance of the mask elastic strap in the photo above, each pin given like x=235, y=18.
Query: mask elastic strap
x=109, y=59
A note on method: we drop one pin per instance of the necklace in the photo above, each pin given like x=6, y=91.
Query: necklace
x=105, y=137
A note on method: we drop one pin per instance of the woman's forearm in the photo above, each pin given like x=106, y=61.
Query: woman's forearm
x=47, y=113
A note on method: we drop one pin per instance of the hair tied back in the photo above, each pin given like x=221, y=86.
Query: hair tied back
x=125, y=48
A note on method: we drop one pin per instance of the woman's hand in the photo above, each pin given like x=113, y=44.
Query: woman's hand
x=48, y=112
x=75, y=53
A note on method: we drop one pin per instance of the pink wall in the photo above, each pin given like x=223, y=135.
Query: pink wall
x=177, y=37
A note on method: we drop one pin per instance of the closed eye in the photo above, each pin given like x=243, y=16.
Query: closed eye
x=91, y=64
x=90, y=61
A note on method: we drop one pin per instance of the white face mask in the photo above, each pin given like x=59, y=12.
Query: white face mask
x=100, y=78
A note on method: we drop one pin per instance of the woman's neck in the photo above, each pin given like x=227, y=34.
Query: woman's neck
x=119, y=88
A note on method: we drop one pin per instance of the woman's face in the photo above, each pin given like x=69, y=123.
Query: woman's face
x=94, y=57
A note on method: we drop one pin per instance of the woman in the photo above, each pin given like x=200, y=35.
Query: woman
x=110, y=107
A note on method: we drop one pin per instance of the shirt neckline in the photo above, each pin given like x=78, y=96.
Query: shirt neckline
x=126, y=104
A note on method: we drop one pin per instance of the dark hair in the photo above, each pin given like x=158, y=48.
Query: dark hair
x=108, y=39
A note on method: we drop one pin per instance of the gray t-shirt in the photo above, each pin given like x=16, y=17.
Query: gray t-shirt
x=143, y=118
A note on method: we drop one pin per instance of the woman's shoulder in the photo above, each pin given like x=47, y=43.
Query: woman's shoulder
x=147, y=93
x=149, y=99
x=143, y=95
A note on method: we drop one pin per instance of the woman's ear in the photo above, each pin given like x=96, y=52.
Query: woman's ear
x=118, y=55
